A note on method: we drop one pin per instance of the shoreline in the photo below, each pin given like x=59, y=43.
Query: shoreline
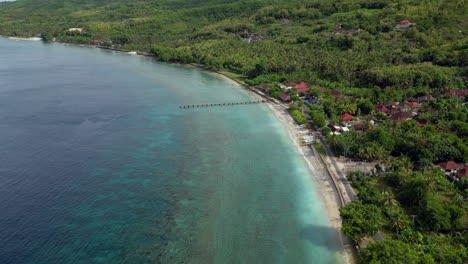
x=318, y=169
x=323, y=182
x=326, y=187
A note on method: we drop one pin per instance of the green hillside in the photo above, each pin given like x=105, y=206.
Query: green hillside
x=368, y=52
x=359, y=58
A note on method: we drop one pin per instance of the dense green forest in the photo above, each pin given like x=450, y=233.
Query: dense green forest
x=355, y=55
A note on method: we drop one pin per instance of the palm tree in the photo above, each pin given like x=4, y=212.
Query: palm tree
x=398, y=222
x=389, y=199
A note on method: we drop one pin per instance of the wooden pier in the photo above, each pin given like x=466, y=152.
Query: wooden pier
x=222, y=104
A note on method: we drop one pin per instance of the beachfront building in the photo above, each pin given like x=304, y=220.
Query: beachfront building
x=284, y=97
x=288, y=85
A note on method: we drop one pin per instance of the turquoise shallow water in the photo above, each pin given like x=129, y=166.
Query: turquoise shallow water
x=98, y=165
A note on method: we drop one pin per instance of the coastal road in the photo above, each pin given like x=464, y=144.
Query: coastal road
x=341, y=177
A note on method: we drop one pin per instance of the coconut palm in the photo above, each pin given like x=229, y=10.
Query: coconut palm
x=398, y=221
x=389, y=199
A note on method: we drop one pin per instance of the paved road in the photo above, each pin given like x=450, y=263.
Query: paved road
x=338, y=172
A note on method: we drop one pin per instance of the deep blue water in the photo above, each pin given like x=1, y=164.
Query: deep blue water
x=99, y=165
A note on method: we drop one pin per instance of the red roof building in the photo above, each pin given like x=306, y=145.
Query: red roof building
x=405, y=21
x=359, y=127
x=290, y=84
x=401, y=116
x=334, y=128
x=381, y=108
x=346, y=117
x=449, y=165
x=402, y=106
x=393, y=111
x=337, y=94
x=462, y=173
x=284, y=97
x=450, y=92
x=301, y=85
x=391, y=103
x=412, y=105
x=300, y=90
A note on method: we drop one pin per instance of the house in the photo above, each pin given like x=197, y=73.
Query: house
x=284, y=97
x=337, y=129
x=402, y=106
x=461, y=173
x=412, y=105
x=449, y=167
x=359, y=127
x=301, y=85
x=337, y=94
x=381, y=108
x=401, y=116
x=284, y=21
x=76, y=29
x=450, y=92
x=346, y=117
x=393, y=111
x=337, y=29
x=254, y=37
x=404, y=24
x=288, y=85
x=300, y=90
x=424, y=98
x=334, y=128
x=391, y=104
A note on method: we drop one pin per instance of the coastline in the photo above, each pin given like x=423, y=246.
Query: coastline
x=325, y=186
x=329, y=190
x=318, y=172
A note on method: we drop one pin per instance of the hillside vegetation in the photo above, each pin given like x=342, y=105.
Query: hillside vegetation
x=357, y=56
x=428, y=56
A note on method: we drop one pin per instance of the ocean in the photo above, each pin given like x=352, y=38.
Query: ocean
x=98, y=164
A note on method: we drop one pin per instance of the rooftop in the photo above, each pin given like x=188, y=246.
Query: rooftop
x=449, y=165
